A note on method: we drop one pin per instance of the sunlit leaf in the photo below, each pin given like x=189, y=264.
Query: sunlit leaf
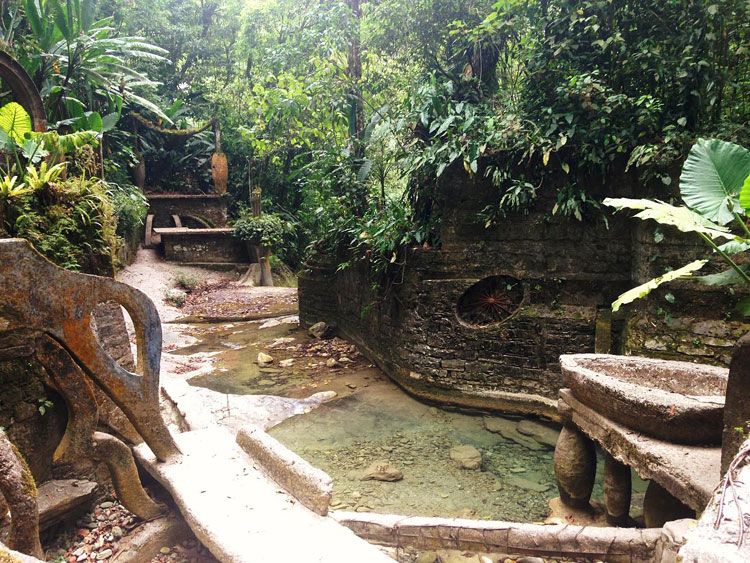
x=681, y=217
x=15, y=121
x=712, y=178
x=646, y=288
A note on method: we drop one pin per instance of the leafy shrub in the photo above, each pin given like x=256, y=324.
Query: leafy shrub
x=130, y=207
x=175, y=297
x=268, y=229
x=186, y=281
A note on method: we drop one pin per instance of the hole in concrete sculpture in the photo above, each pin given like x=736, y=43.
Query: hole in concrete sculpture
x=490, y=301
x=115, y=332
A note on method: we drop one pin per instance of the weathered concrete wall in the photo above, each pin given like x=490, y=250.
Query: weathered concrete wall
x=211, y=207
x=570, y=271
x=204, y=246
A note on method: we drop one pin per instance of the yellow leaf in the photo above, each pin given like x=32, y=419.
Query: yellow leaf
x=545, y=158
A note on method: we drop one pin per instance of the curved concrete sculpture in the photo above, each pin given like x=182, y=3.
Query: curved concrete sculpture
x=24, y=90
x=673, y=401
x=39, y=296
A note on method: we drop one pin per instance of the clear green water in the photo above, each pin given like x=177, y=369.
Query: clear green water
x=372, y=420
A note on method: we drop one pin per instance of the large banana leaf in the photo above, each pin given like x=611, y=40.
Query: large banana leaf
x=646, y=288
x=15, y=121
x=712, y=179
x=681, y=217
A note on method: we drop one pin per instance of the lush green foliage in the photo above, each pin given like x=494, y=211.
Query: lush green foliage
x=534, y=95
x=715, y=187
x=71, y=220
x=348, y=116
x=267, y=230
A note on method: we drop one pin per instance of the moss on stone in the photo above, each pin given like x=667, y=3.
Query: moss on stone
x=29, y=485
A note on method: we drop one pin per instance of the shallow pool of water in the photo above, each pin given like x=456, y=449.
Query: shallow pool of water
x=373, y=420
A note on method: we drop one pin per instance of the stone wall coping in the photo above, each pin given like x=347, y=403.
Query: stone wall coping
x=182, y=231
x=555, y=540
x=690, y=473
x=183, y=196
x=313, y=487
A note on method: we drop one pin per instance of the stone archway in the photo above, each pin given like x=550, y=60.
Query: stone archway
x=24, y=90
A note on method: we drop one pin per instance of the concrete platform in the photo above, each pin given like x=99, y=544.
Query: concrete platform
x=690, y=473
x=241, y=515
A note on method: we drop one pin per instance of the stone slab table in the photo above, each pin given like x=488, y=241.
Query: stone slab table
x=689, y=473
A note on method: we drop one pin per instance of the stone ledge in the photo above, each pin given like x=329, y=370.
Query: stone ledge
x=559, y=540
x=183, y=196
x=311, y=486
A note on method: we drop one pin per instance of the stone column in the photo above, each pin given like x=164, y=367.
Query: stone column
x=737, y=404
x=617, y=491
x=575, y=466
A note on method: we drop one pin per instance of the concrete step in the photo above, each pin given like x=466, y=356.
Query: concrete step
x=240, y=514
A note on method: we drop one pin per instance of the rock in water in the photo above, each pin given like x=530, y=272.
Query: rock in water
x=508, y=429
x=528, y=485
x=540, y=432
x=467, y=457
x=264, y=359
x=321, y=330
x=287, y=363
x=333, y=363
x=382, y=471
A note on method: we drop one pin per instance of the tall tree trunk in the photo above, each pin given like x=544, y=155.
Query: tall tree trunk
x=357, y=112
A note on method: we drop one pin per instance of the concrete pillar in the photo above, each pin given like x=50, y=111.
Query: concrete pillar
x=617, y=491
x=575, y=466
x=737, y=404
x=660, y=507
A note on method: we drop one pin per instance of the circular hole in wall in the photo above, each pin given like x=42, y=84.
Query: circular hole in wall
x=490, y=301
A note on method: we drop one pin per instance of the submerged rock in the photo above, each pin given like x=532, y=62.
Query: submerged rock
x=508, y=429
x=540, y=432
x=382, y=471
x=467, y=457
x=264, y=359
x=528, y=485
x=333, y=363
x=287, y=363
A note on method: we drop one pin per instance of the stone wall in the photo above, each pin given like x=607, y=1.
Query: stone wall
x=570, y=270
x=204, y=246
x=210, y=207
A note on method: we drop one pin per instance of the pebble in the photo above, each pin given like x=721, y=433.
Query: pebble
x=165, y=550
x=104, y=554
x=117, y=532
x=106, y=504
